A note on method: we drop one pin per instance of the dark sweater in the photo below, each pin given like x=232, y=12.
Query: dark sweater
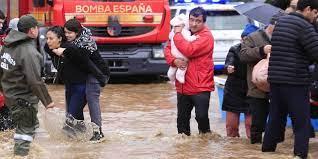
x=294, y=47
x=99, y=62
x=73, y=67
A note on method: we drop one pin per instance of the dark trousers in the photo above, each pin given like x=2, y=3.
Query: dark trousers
x=185, y=105
x=93, y=90
x=292, y=100
x=75, y=99
x=26, y=121
x=259, y=109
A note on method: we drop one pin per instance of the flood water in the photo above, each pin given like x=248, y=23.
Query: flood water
x=139, y=122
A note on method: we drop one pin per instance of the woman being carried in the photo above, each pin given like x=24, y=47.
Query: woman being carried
x=99, y=72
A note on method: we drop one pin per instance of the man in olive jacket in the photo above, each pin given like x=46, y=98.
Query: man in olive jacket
x=254, y=48
x=21, y=81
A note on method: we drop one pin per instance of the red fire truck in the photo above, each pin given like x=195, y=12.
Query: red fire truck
x=130, y=33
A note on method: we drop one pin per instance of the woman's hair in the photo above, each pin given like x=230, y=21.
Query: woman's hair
x=59, y=31
x=73, y=25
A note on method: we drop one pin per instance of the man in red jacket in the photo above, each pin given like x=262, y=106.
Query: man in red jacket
x=195, y=92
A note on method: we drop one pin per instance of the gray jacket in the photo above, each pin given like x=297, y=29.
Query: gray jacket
x=252, y=51
x=20, y=72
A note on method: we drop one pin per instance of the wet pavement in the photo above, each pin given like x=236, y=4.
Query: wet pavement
x=139, y=122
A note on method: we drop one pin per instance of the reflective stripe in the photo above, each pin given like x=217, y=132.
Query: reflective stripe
x=23, y=137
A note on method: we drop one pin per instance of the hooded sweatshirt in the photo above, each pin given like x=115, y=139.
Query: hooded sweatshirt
x=20, y=72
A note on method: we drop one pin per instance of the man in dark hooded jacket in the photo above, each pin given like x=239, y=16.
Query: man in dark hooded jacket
x=21, y=81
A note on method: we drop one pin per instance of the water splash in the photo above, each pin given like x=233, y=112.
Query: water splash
x=65, y=127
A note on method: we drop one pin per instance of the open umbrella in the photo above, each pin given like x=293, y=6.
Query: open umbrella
x=261, y=12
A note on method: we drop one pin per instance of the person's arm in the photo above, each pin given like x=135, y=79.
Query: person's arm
x=195, y=48
x=168, y=56
x=249, y=52
x=309, y=40
x=31, y=67
x=78, y=56
x=230, y=59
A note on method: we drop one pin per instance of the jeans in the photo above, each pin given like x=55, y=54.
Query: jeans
x=93, y=90
x=75, y=99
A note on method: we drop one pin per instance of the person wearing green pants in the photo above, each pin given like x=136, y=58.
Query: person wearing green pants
x=21, y=82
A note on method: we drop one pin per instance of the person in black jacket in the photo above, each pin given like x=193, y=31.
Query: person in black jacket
x=73, y=69
x=294, y=47
x=81, y=38
x=235, y=90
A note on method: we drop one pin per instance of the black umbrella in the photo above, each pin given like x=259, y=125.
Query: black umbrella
x=261, y=12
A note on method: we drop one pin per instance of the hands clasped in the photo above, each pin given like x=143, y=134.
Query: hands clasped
x=181, y=63
x=59, y=51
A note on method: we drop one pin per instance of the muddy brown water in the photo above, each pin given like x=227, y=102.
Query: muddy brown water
x=139, y=122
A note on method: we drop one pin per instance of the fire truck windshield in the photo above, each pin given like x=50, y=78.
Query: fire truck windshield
x=225, y=20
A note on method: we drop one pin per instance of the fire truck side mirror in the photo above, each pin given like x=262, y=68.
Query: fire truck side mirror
x=38, y=3
x=50, y=2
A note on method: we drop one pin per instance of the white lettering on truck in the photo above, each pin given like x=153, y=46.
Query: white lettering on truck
x=141, y=8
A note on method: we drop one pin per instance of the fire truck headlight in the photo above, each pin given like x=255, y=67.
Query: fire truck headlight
x=158, y=53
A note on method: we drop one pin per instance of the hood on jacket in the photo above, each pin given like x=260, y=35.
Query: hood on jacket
x=15, y=37
x=85, y=41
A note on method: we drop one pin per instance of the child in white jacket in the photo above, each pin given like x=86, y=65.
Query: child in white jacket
x=173, y=72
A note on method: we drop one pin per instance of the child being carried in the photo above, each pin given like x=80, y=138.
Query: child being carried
x=174, y=72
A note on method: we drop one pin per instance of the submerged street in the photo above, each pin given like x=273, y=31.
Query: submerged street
x=139, y=122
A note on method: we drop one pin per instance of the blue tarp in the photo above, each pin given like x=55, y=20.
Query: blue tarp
x=220, y=82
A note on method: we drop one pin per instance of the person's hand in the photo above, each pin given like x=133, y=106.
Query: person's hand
x=51, y=105
x=177, y=29
x=58, y=51
x=230, y=69
x=181, y=63
x=267, y=49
